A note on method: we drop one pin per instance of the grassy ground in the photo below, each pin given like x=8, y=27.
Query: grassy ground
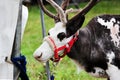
x=32, y=38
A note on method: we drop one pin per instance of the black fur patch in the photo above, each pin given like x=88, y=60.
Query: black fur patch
x=93, y=44
x=61, y=36
x=73, y=25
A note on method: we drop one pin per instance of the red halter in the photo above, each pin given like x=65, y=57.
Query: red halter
x=67, y=47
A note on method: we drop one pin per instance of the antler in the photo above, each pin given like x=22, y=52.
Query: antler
x=86, y=8
x=60, y=11
x=65, y=4
x=89, y=6
x=56, y=18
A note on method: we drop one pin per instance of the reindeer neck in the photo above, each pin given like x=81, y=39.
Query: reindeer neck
x=79, y=47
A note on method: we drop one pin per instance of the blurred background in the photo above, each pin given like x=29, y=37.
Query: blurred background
x=33, y=2
x=66, y=69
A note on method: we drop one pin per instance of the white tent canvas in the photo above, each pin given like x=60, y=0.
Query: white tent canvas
x=8, y=20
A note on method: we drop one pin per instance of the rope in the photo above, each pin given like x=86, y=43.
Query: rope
x=52, y=77
x=20, y=63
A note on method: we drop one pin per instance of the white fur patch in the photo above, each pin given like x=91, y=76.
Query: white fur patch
x=46, y=52
x=99, y=73
x=112, y=71
x=114, y=29
x=110, y=57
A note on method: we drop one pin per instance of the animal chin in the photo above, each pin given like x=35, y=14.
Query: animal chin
x=43, y=61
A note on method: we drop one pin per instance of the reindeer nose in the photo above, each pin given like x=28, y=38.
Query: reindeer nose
x=38, y=56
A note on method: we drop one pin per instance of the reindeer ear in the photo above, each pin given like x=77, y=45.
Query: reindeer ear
x=74, y=24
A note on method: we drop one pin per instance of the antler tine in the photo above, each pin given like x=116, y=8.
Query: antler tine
x=59, y=10
x=65, y=4
x=86, y=8
x=89, y=6
x=46, y=11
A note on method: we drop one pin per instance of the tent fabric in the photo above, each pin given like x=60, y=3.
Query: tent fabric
x=8, y=20
x=24, y=18
x=20, y=62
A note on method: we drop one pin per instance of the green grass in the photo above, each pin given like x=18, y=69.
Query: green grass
x=66, y=70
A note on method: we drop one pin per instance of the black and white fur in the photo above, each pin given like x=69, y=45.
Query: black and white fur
x=98, y=46
x=97, y=49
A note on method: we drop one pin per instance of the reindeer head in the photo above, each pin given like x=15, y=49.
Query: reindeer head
x=62, y=33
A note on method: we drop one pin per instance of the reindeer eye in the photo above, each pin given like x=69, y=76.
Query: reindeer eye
x=61, y=36
x=48, y=33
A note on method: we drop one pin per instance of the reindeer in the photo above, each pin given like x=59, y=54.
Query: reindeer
x=94, y=48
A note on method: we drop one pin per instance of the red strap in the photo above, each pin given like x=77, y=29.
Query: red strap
x=55, y=48
x=66, y=47
x=52, y=42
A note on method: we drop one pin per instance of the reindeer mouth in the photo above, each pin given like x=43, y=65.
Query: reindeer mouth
x=43, y=61
x=38, y=58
